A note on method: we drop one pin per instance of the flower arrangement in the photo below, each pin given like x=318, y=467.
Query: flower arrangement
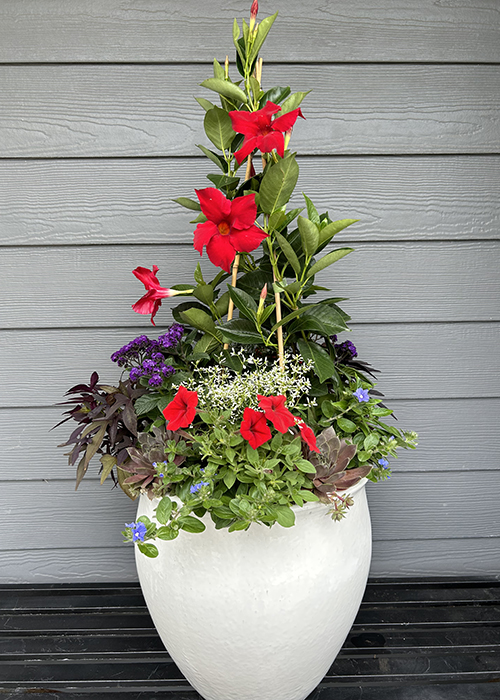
x=241, y=416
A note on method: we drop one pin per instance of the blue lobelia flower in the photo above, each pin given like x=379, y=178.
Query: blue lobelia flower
x=138, y=531
x=383, y=463
x=361, y=394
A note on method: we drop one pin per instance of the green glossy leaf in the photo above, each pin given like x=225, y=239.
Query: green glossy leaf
x=308, y=496
x=222, y=181
x=324, y=366
x=323, y=318
x=191, y=524
x=236, y=36
x=243, y=302
x=240, y=331
x=304, y=466
x=218, y=160
x=206, y=104
x=346, y=425
x=289, y=317
x=225, y=88
x=163, y=510
x=371, y=441
x=222, y=304
x=328, y=260
x=253, y=282
x=167, y=533
x=330, y=230
x=200, y=320
x=278, y=184
x=188, y=203
x=285, y=516
x=292, y=102
x=289, y=253
x=185, y=306
x=262, y=32
x=198, y=275
x=146, y=403
x=218, y=128
x=275, y=95
x=148, y=549
x=218, y=70
x=312, y=212
x=309, y=235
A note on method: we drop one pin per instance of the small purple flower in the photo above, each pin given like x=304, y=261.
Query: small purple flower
x=161, y=475
x=138, y=531
x=155, y=380
x=196, y=487
x=383, y=463
x=361, y=395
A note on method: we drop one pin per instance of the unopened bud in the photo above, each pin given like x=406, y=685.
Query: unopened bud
x=253, y=14
x=226, y=68
x=263, y=293
x=288, y=135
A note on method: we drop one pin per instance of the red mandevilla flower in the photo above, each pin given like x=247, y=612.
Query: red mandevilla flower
x=307, y=435
x=275, y=411
x=262, y=133
x=254, y=428
x=151, y=301
x=230, y=227
x=181, y=410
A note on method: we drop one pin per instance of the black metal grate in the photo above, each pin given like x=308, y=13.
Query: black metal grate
x=412, y=640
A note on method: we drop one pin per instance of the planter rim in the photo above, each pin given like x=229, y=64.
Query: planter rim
x=296, y=508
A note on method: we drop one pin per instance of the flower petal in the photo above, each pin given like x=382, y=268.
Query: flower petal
x=147, y=277
x=275, y=411
x=244, y=122
x=254, y=428
x=247, y=240
x=248, y=146
x=243, y=211
x=307, y=435
x=213, y=204
x=286, y=121
x=271, y=141
x=221, y=252
x=202, y=235
x=148, y=304
x=179, y=413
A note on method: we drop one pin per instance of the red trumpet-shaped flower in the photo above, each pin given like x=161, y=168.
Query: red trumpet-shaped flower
x=181, y=410
x=262, y=133
x=276, y=412
x=151, y=301
x=307, y=435
x=230, y=227
x=254, y=428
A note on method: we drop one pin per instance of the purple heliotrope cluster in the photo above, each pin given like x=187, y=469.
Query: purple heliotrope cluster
x=145, y=357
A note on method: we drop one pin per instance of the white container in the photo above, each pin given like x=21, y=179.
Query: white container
x=261, y=614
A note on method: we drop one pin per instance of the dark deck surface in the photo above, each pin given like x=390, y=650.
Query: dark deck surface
x=412, y=640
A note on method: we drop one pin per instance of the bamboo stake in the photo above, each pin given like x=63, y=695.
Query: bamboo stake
x=281, y=347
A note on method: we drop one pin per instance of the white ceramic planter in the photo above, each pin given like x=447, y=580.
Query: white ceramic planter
x=261, y=614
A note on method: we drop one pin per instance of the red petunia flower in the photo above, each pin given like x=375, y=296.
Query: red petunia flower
x=181, y=410
x=151, y=301
x=230, y=227
x=276, y=412
x=307, y=435
x=260, y=132
x=254, y=428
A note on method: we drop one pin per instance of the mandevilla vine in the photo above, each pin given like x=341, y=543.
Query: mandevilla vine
x=241, y=416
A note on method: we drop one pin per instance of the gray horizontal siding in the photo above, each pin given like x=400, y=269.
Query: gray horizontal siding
x=98, y=133
x=62, y=111
x=95, y=514
x=417, y=360
x=188, y=30
x=456, y=281
x=475, y=557
x=93, y=201
x=448, y=440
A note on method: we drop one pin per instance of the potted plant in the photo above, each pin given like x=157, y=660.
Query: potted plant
x=247, y=429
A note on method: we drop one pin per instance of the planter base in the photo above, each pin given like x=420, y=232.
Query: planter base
x=261, y=614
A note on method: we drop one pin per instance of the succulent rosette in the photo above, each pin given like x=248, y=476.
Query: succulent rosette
x=248, y=404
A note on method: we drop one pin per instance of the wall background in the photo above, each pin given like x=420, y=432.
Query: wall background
x=97, y=135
